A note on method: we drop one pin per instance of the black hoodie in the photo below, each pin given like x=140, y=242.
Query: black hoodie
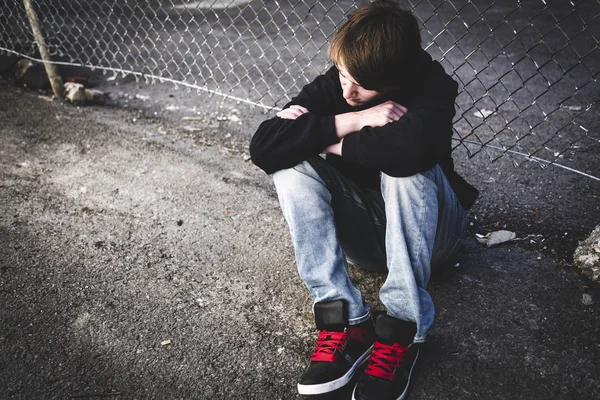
x=418, y=141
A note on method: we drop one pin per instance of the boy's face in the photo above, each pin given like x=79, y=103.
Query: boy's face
x=355, y=94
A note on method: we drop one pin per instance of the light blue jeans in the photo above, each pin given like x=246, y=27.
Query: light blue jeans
x=412, y=226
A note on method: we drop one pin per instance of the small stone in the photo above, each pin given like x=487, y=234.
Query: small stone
x=587, y=299
x=587, y=256
x=21, y=67
x=142, y=97
x=75, y=92
x=496, y=238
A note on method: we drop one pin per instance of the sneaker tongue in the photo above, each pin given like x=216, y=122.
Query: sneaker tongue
x=331, y=316
x=391, y=330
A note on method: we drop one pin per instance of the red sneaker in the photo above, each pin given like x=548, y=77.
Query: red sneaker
x=339, y=351
x=388, y=372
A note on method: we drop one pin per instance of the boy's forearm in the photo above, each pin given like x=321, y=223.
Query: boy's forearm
x=345, y=124
x=379, y=115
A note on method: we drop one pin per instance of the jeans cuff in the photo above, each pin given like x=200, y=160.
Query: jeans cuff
x=419, y=339
x=356, y=321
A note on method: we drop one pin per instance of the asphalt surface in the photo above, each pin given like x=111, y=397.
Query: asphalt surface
x=143, y=257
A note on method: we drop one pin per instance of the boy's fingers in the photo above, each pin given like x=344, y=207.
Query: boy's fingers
x=399, y=107
x=285, y=114
x=396, y=114
x=396, y=108
x=403, y=109
x=288, y=114
x=304, y=110
x=292, y=112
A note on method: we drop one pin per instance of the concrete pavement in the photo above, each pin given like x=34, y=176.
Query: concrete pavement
x=139, y=262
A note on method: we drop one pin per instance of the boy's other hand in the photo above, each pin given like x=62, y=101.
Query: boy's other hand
x=292, y=112
x=334, y=148
x=381, y=114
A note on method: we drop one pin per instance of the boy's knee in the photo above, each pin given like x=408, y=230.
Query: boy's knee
x=408, y=187
x=297, y=178
x=293, y=173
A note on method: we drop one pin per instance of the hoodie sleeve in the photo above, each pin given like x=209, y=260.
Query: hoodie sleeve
x=283, y=143
x=417, y=141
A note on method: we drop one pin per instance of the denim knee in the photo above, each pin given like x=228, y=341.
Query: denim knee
x=295, y=178
x=391, y=185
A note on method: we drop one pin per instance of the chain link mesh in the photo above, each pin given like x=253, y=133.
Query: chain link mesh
x=528, y=69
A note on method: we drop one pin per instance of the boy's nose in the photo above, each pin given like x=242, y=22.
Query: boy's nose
x=349, y=91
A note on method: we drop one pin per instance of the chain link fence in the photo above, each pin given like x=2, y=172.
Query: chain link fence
x=528, y=69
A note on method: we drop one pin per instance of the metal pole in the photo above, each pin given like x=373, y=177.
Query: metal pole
x=53, y=76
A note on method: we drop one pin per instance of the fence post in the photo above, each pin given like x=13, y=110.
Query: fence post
x=53, y=76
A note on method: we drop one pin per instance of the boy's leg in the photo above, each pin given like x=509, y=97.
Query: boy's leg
x=425, y=223
x=325, y=212
x=323, y=209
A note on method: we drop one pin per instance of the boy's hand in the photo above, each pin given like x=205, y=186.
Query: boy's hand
x=381, y=114
x=334, y=148
x=378, y=115
x=292, y=112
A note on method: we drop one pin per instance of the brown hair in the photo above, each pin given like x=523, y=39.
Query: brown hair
x=379, y=45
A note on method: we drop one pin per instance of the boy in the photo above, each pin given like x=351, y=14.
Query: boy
x=386, y=198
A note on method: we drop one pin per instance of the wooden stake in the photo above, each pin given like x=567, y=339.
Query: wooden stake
x=51, y=70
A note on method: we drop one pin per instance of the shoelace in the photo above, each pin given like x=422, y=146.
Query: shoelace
x=329, y=346
x=385, y=359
